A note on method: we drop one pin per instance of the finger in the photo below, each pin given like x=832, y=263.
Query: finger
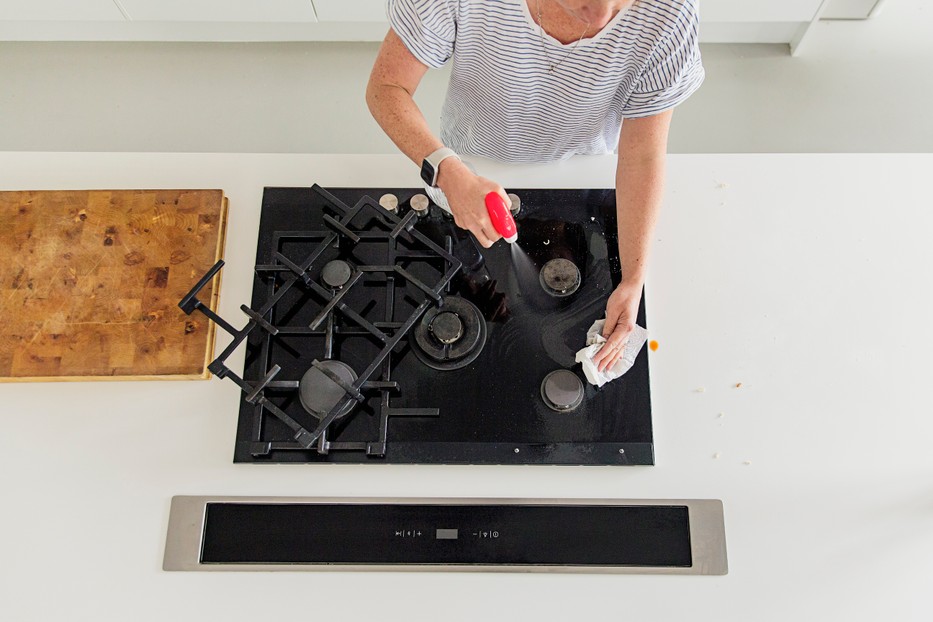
x=612, y=356
x=616, y=358
x=609, y=361
x=480, y=234
x=612, y=318
x=505, y=196
x=619, y=332
x=615, y=340
x=605, y=353
x=490, y=232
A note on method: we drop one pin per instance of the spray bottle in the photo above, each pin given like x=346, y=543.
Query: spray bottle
x=499, y=212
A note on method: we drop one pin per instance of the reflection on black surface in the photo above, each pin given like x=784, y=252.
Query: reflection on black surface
x=544, y=240
x=473, y=282
x=483, y=293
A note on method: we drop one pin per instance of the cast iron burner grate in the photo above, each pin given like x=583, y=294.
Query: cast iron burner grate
x=333, y=283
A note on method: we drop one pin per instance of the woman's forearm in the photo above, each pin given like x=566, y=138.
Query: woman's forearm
x=401, y=119
x=639, y=192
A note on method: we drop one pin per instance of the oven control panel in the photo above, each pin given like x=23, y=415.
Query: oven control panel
x=447, y=534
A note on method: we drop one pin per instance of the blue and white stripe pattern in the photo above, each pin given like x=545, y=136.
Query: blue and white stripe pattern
x=503, y=101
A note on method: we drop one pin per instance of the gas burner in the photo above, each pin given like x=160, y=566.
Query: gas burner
x=562, y=390
x=336, y=273
x=450, y=336
x=560, y=277
x=320, y=388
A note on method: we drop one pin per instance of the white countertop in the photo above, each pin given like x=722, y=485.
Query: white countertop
x=804, y=277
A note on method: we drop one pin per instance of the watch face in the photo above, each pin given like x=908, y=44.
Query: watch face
x=427, y=172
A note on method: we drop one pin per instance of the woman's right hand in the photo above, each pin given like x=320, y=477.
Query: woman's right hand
x=466, y=193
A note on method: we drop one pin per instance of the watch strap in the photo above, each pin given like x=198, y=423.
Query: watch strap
x=435, y=159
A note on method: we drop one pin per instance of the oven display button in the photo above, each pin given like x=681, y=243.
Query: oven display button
x=485, y=534
x=408, y=533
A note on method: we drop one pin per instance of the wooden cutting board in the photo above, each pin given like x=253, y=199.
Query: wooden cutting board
x=90, y=283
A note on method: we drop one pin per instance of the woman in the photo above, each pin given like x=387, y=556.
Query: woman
x=538, y=81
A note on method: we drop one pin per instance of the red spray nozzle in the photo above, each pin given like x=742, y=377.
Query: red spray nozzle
x=501, y=217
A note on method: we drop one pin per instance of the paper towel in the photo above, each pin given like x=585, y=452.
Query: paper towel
x=595, y=340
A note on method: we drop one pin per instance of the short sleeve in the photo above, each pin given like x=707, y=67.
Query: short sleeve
x=426, y=27
x=674, y=69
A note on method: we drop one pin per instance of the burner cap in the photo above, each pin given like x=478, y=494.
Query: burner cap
x=336, y=273
x=451, y=336
x=560, y=277
x=446, y=327
x=562, y=390
x=319, y=393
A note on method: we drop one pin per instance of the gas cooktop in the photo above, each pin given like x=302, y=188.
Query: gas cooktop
x=379, y=332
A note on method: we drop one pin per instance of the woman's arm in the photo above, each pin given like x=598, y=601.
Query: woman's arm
x=639, y=191
x=389, y=94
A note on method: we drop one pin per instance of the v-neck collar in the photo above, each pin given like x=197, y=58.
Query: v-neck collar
x=584, y=41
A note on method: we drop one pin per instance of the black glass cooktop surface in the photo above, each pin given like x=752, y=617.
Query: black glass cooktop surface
x=399, y=340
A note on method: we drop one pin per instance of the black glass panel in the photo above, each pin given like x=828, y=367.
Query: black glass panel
x=237, y=533
x=491, y=410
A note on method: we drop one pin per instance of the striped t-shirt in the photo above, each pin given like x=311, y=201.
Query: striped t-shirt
x=504, y=102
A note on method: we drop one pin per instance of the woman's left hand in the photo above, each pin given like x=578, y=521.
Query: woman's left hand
x=621, y=311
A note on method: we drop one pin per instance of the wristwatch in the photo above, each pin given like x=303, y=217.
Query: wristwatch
x=432, y=163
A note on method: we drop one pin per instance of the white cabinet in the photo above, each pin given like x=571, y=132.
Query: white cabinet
x=758, y=10
x=710, y=10
x=350, y=10
x=723, y=21
x=715, y=11
x=220, y=10
x=848, y=9
x=59, y=10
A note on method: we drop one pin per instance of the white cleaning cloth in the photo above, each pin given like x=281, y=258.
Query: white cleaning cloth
x=595, y=340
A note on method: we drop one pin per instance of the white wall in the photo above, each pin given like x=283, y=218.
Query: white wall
x=856, y=87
